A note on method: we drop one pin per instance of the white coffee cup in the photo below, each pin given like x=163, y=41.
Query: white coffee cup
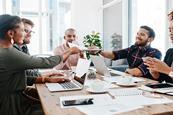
x=126, y=80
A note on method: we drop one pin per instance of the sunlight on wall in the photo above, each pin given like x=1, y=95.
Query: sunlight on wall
x=153, y=14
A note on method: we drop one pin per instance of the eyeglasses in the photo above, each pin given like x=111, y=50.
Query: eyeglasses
x=29, y=31
x=69, y=36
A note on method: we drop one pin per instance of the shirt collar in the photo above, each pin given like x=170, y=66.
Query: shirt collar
x=141, y=48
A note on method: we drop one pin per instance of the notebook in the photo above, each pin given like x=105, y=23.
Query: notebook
x=77, y=83
x=101, y=67
x=125, y=92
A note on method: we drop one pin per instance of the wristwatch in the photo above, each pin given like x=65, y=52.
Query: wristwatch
x=99, y=51
x=171, y=74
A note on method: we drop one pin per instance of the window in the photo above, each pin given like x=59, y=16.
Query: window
x=112, y=24
x=153, y=14
x=1, y=8
x=51, y=18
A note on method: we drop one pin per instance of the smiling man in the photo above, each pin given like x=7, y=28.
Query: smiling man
x=70, y=36
x=134, y=53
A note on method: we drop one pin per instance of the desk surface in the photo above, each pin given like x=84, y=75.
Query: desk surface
x=51, y=106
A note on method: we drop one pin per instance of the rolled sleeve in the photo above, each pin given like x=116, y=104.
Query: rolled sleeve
x=153, y=53
x=143, y=69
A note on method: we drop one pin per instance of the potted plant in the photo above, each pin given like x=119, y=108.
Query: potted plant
x=92, y=39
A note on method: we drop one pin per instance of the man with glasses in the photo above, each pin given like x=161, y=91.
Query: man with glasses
x=28, y=25
x=32, y=75
x=69, y=37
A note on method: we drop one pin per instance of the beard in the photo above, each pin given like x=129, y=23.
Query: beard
x=141, y=44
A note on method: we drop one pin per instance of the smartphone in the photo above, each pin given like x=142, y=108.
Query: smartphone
x=86, y=101
x=160, y=85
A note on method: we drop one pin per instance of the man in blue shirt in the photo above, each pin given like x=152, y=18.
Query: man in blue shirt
x=134, y=53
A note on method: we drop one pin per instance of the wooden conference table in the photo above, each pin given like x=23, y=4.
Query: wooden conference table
x=51, y=106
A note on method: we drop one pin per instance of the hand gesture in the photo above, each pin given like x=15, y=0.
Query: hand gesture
x=93, y=50
x=157, y=65
x=75, y=50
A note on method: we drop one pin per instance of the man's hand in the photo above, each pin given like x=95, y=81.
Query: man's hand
x=74, y=50
x=134, y=72
x=70, y=51
x=94, y=50
x=51, y=74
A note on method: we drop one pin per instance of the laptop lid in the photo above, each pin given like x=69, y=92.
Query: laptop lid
x=82, y=66
x=100, y=65
x=80, y=80
x=81, y=70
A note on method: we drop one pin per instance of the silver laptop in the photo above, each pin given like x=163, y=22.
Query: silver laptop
x=77, y=83
x=101, y=67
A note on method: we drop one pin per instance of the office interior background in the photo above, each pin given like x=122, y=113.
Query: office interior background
x=117, y=21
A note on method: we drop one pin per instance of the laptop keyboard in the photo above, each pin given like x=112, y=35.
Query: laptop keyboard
x=68, y=85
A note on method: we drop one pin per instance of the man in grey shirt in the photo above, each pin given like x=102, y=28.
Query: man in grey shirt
x=31, y=73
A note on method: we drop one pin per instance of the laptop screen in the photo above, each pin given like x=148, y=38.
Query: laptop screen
x=80, y=79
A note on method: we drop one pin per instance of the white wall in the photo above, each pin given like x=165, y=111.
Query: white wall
x=112, y=23
x=86, y=16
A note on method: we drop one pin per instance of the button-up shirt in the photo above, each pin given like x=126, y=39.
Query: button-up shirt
x=71, y=61
x=134, y=56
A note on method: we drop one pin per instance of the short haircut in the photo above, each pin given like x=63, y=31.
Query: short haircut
x=170, y=15
x=69, y=30
x=151, y=32
x=8, y=22
x=27, y=21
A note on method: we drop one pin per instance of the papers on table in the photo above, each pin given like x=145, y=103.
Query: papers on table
x=103, y=105
x=98, y=100
x=107, y=109
x=141, y=100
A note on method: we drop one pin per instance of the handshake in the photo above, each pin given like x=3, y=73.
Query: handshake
x=94, y=50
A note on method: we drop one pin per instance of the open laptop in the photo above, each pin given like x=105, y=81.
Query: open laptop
x=77, y=83
x=101, y=67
